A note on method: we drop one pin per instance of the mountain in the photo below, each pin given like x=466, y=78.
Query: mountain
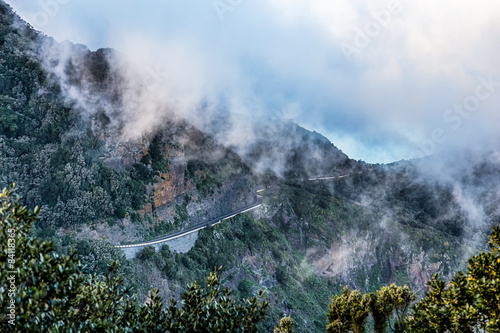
x=81, y=140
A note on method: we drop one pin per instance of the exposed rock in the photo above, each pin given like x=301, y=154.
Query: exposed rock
x=171, y=184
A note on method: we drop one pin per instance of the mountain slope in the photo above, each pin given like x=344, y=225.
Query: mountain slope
x=67, y=139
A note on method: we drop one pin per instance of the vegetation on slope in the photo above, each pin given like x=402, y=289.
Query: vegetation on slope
x=43, y=291
x=469, y=303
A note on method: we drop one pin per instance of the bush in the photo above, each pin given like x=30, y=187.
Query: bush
x=245, y=287
x=146, y=253
x=388, y=307
x=282, y=275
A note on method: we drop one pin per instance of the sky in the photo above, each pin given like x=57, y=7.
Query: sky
x=383, y=80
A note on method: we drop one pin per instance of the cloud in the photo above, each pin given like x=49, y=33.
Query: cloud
x=412, y=62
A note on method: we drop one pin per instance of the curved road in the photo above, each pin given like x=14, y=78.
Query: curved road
x=332, y=177
x=256, y=204
x=202, y=225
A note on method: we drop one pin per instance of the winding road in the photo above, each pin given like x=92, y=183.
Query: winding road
x=257, y=203
x=332, y=177
x=199, y=226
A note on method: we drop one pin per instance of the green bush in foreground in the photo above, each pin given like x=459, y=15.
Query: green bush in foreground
x=470, y=303
x=388, y=306
x=285, y=325
x=41, y=291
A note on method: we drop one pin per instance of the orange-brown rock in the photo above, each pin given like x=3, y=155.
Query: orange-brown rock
x=170, y=185
x=148, y=208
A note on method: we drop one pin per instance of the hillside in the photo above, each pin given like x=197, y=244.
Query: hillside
x=67, y=141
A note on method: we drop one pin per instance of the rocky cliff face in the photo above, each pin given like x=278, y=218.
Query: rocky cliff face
x=171, y=184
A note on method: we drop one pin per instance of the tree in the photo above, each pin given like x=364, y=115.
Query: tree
x=388, y=307
x=146, y=253
x=8, y=121
x=470, y=303
x=213, y=310
x=348, y=312
x=285, y=325
x=282, y=275
x=43, y=291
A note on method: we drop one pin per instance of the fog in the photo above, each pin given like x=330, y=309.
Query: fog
x=383, y=80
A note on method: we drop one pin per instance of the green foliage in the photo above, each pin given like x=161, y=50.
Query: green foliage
x=50, y=293
x=282, y=275
x=285, y=325
x=213, y=310
x=158, y=162
x=388, y=306
x=142, y=172
x=46, y=146
x=151, y=164
x=226, y=243
x=147, y=253
x=61, y=163
x=200, y=173
x=470, y=303
x=245, y=287
x=348, y=312
x=181, y=213
x=97, y=254
x=8, y=122
x=120, y=212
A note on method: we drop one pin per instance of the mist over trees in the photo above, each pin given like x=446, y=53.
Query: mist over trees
x=69, y=139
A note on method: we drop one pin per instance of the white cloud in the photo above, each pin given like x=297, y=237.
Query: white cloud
x=284, y=56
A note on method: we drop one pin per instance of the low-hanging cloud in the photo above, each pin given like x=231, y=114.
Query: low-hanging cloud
x=407, y=63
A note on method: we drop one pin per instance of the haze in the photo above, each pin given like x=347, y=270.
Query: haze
x=383, y=80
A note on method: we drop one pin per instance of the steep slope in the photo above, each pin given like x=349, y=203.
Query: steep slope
x=67, y=154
